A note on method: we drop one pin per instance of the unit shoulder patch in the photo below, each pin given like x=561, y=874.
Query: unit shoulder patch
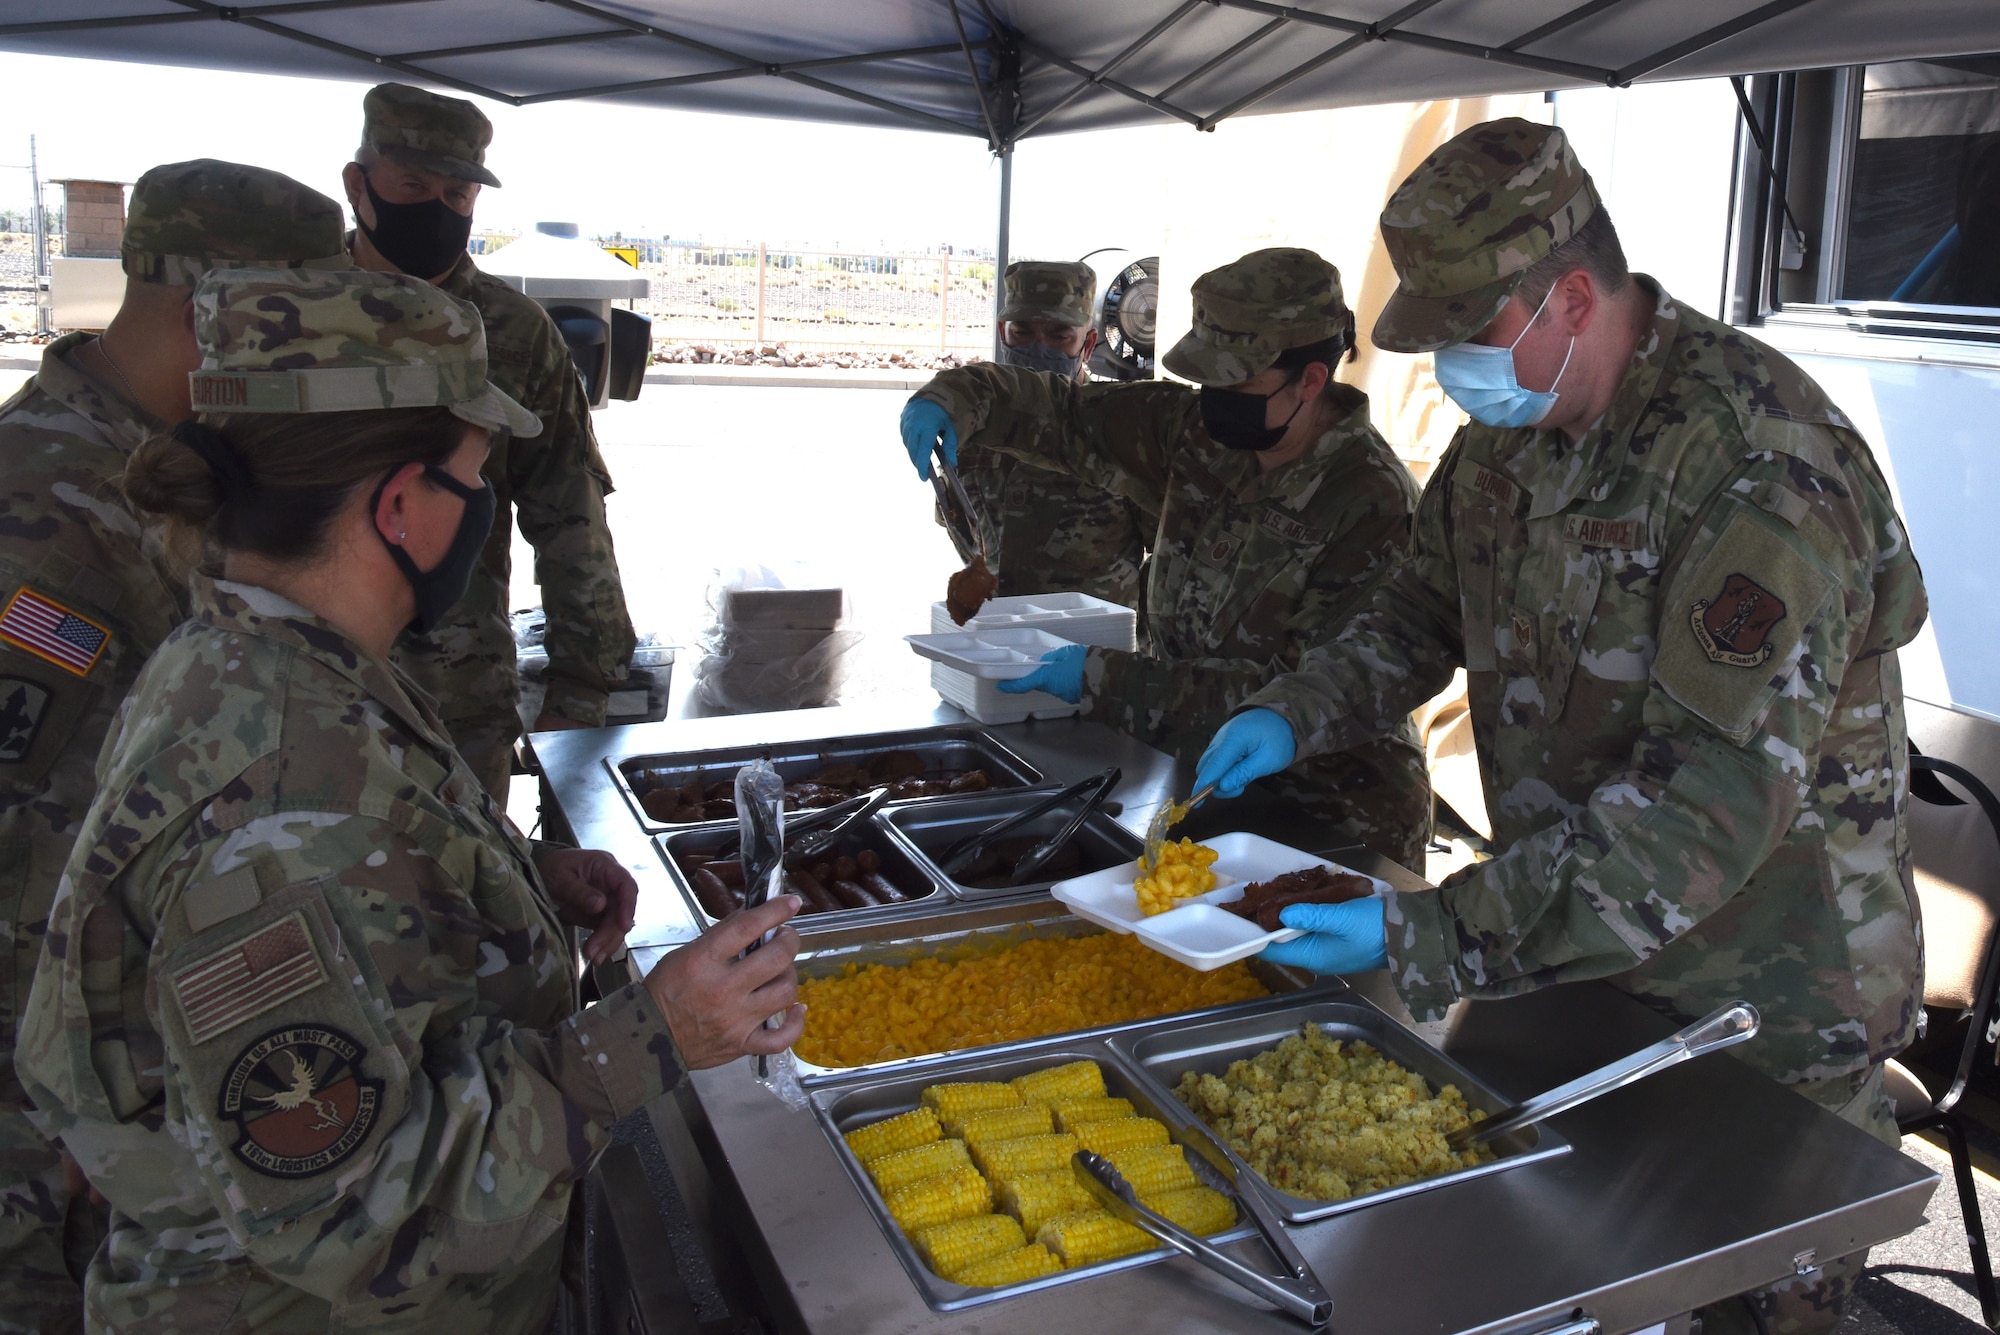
x=299, y=1101
x=45, y=628
x=1734, y=627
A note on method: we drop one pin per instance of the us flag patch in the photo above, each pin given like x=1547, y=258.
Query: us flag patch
x=47, y=629
x=247, y=979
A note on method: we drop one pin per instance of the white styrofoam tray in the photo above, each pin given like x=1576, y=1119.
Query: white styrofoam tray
x=990, y=655
x=985, y=701
x=1078, y=617
x=1197, y=934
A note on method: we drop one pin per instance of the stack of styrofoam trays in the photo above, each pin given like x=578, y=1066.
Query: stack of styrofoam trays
x=1076, y=617
x=967, y=668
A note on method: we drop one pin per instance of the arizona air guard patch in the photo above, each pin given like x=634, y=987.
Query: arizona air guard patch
x=299, y=1101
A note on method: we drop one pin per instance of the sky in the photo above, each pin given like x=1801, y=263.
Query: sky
x=604, y=166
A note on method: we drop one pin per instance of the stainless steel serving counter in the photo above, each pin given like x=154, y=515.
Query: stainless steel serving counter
x=576, y=771
x=1699, y=1183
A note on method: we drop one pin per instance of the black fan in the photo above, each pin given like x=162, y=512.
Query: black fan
x=1128, y=314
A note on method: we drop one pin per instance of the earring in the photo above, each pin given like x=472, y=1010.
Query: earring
x=403, y=536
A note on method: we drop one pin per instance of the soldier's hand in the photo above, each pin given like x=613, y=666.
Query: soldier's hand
x=591, y=890
x=925, y=426
x=1061, y=675
x=716, y=1004
x=1255, y=743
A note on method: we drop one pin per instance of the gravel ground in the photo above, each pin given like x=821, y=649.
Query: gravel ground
x=1921, y=1284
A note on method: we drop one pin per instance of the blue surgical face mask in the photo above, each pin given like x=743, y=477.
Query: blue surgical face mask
x=1481, y=380
x=1040, y=357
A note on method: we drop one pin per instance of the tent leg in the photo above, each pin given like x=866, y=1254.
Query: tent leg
x=1000, y=242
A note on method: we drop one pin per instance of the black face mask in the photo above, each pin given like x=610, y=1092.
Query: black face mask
x=1236, y=420
x=439, y=588
x=423, y=240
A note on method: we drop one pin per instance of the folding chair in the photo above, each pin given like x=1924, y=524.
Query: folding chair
x=1956, y=852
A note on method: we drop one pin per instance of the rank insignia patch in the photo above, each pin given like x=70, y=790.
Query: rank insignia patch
x=1734, y=627
x=47, y=629
x=23, y=706
x=299, y=1101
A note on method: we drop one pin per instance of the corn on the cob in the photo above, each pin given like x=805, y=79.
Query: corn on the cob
x=951, y=1247
x=1015, y=1267
x=906, y=1166
x=911, y=1129
x=956, y=1102
x=1121, y=1133
x=1002, y=1159
x=1090, y=1236
x=1073, y=1113
x=940, y=1199
x=1196, y=1209
x=1036, y=1198
x=1071, y=1080
x=1154, y=1169
x=1004, y=1124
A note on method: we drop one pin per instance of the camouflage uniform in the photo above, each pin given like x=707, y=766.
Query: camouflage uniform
x=71, y=547
x=1248, y=568
x=1039, y=537
x=1680, y=637
x=555, y=484
x=306, y=1012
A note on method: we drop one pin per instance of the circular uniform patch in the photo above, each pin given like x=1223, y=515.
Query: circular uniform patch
x=298, y=1098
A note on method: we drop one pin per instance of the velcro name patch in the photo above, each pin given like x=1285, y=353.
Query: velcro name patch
x=1489, y=483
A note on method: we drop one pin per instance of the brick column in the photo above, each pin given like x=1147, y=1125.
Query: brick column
x=93, y=218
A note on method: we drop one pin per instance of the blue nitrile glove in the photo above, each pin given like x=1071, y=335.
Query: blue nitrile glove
x=1254, y=743
x=923, y=423
x=1340, y=938
x=1061, y=675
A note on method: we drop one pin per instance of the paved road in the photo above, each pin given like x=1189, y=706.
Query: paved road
x=1922, y=1284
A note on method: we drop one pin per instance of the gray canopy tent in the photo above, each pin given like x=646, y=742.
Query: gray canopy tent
x=1002, y=70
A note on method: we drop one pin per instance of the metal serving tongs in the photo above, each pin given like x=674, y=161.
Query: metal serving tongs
x=1725, y=1027
x=1297, y=1294
x=968, y=850
x=952, y=496
x=821, y=839
x=1168, y=816
x=797, y=823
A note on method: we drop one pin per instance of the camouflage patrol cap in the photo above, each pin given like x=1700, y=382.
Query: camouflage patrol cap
x=1465, y=226
x=1248, y=312
x=447, y=135
x=1050, y=290
x=322, y=341
x=186, y=218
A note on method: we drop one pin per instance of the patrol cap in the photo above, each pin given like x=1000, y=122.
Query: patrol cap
x=322, y=341
x=186, y=218
x=1058, y=290
x=1469, y=221
x=1247, y=312
x=447, y=135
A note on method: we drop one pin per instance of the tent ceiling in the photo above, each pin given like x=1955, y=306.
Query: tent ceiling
x=1043, y=66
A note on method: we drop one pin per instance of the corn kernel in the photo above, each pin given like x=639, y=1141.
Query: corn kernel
x=1181, y=873
x=1153, y=1169
x=1049, y=985
x=1090, y=1236
x=1002, y=1159
x=940, y=1199
x=1036, y=1198
x=956, y=1102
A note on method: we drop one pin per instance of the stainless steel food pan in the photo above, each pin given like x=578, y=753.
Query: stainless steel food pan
x=929, y=828
x=1162, y=1053
x=979, y=930
x=901, y=866
x=942, y=749
x=858, y=1100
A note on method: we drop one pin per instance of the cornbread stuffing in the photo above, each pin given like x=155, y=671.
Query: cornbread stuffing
x=1324, y=1119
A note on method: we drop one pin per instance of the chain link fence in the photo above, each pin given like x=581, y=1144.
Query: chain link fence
x=754, y=302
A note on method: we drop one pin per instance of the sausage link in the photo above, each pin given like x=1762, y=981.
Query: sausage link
x=868, y=860
x=818, y=898
x=851, y=895
x=709, y=889
x=883, y=888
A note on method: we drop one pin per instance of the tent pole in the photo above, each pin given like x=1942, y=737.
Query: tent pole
x=1000, y=243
